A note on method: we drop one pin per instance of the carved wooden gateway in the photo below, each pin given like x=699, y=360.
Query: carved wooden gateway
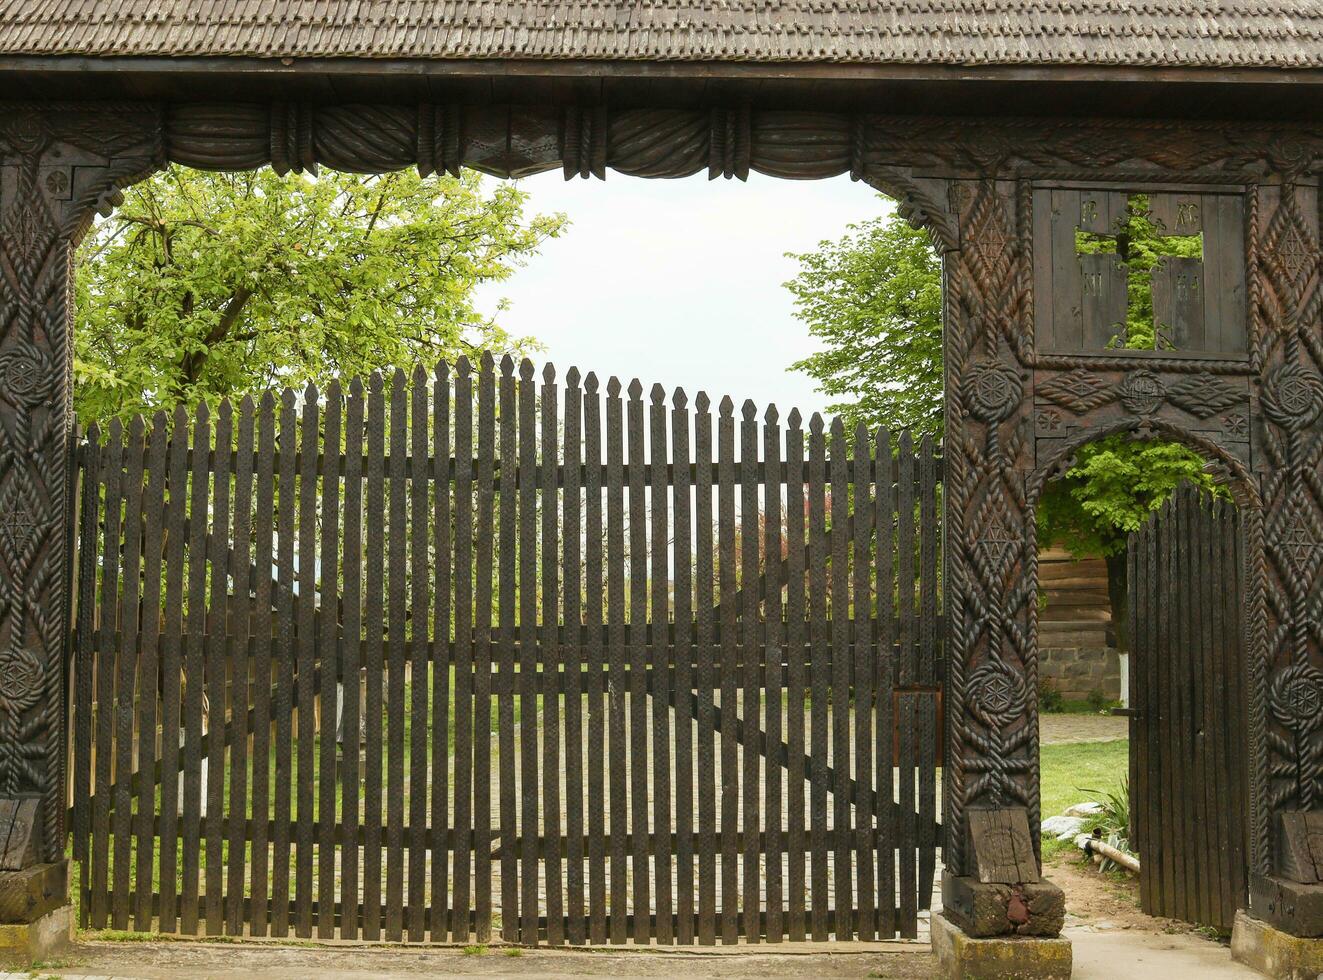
x=1042, y=355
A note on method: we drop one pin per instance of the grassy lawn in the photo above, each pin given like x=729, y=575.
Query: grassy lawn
x=1071, y=772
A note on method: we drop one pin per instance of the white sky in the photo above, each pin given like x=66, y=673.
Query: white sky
x=679, y=281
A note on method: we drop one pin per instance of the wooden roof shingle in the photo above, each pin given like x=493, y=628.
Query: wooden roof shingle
x=1139, y=33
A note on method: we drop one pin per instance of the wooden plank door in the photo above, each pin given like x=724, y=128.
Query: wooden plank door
x=1188, y=735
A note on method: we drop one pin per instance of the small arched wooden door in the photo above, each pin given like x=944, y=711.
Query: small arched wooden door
x=1188, y=732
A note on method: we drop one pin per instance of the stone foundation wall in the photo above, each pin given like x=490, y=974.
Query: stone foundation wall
x=1076, y=671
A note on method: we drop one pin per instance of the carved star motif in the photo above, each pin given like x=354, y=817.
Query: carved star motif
x=19, y=526
x=998, y=541
x=1294, y=253
x=1298, y=541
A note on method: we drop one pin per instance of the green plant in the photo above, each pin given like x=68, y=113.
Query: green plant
x=1049, y=698
x=1114, y=817
x=474, y=950
x=1098, y=701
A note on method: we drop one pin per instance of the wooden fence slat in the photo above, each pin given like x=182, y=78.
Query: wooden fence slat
x=509, y=618
x=112, y=456
x=573, y=657
x=419, y=597
x=194, y=670
x=84, y=689
x=843, y=899
x=528, y=705
x=796, y=665
x=593, y=595
x=1237, y=584
x=663, y=694
x=728, y=582
x=442, y=480
x=705, y=767
x=819, y=674
x=1187, y=631
x=774, y=643
x=615, y=562
x=1214, y=676
x=351, y=722
x=306, y=600
x=684, y=680
x=638, y=695
x=482, y=703
x=750, y=633
x=216, y=670
x=396, y=611
x=374, y=616
x=884, y=680
x=905, y=583
x=328, y=669
x=550, y=659
x=861, y=670
x=264, y=524
x=460, y=921
x=149, y=662
x=283, y=710
x=927, y=674
x=240, y=574
x=1173, y=870
x=126, y=671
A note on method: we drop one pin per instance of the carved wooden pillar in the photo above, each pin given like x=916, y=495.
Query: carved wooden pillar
x=1286, y=713
x=991, y=884
x=58, y=164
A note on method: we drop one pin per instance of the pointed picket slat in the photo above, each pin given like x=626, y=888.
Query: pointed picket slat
x=796, y=674
x=861, y=673
x=84, y=689
x=616, y=746
x=112, y=462
x=420, y=686
x=927, y=676
x=328, y=660
x=194, y=669
x=774, y=651
x=706, y=650
x=238, y=610
x=596, y=656
x=573, y=653
x=550, y=657
x=908, y=836
x=264, y=527
x=661, y=677
x=730, y=672
x=819, y=674
x=374, y=577
x=351, y=725
x=442, y=480
x=306, y=661
x=482, y=660
x=884, y=684
x=149, y=660
x=843, y=902
x=750, y=637
x=127, y=674
x=460, y=922
x=508, y=613
x=283, y=707
x=530, y=804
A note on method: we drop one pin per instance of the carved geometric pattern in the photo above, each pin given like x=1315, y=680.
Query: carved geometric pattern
x=1203, y=395
x=1292, y=396
x=1235, y=424
x=1077, y=391
x=1141, y=392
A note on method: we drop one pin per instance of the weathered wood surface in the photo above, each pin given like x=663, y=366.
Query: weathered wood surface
x=622, y=655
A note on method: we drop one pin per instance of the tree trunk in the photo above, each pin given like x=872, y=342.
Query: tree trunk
x=1118, y=595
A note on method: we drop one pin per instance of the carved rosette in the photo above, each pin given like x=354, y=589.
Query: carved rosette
x=57, y=167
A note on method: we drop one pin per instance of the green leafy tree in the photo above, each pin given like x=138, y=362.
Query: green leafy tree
x=202, y=285
x=873, y=298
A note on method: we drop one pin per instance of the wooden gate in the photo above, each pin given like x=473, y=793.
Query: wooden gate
x=417, y=661
x=1188, y=734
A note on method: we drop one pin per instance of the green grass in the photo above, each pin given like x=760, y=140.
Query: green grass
x=1070, y=770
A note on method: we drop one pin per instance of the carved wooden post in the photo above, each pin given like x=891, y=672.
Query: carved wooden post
x=58, y=164
x=991, y=885
x=1286, y=720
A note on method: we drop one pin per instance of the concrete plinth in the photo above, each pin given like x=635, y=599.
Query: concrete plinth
x=1274, y=953
x=961, y=956
x=45, y=938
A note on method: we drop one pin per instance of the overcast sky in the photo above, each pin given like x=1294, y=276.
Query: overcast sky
x=679, y=281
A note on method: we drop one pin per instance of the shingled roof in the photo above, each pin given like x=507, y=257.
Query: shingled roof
x=1138, y=33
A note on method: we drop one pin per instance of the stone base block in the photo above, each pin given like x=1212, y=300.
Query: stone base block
x=1288, y=906
x=45, y=938
x=27, y=895
x=1036, y=908
x=961, y=956
x=1272, y=952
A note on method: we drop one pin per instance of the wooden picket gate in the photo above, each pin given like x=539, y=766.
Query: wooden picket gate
x=414, y=661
